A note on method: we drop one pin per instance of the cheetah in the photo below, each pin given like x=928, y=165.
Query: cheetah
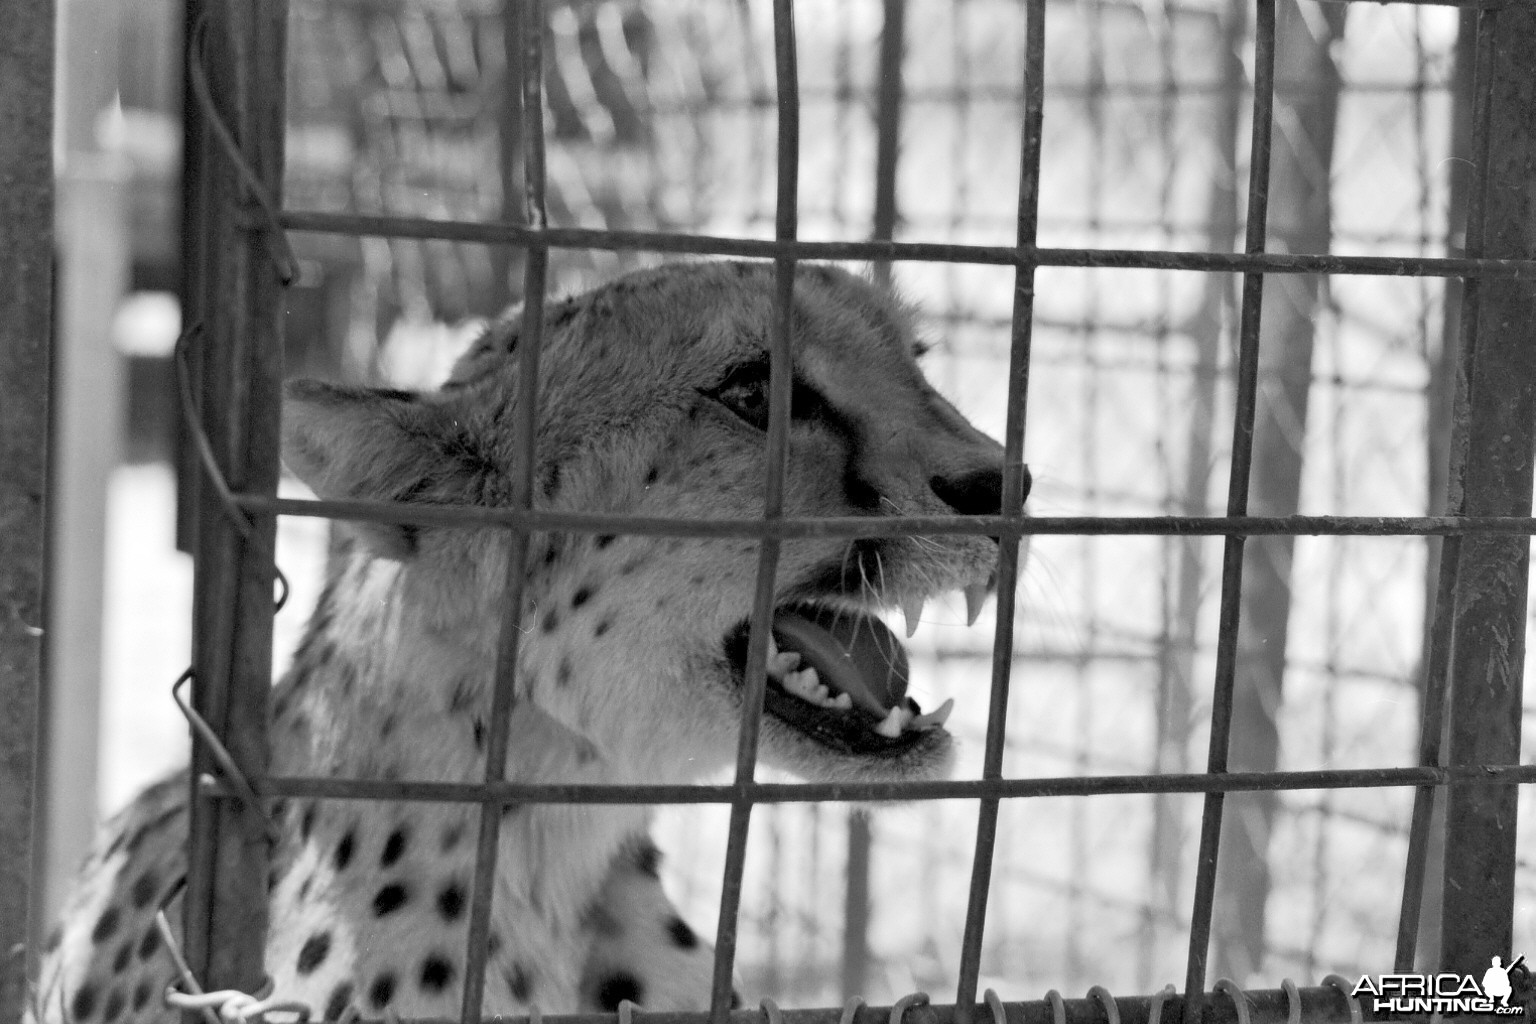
x=653, y=402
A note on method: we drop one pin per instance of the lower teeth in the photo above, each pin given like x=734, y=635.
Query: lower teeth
x=806, y=685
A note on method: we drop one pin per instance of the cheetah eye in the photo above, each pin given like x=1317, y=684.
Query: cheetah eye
x=744, y=391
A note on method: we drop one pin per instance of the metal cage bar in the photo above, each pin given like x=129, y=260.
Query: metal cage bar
x=238, y=49
x=780, y=370
x=1028, y=220
x=530, y=32
x=1495, y=427
x=1246, y=404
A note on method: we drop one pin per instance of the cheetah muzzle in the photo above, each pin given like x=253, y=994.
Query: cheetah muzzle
x=652, y=402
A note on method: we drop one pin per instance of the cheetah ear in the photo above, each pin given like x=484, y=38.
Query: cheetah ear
x=362, y=444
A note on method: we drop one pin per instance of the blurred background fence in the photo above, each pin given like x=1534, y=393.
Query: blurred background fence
x=661, y=116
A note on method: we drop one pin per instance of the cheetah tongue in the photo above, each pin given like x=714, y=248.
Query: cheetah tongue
x=851, y=653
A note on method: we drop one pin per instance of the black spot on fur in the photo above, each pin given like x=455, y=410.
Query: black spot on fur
x=563, y=674
x=519, y=982
x=735, y=1000
x=630, y=566
x=390, y=899
x=335, y=1006
x=394, y=848
x=551, y=621
x=651, y=475
x=307, y=822
x=143, y=891
x=581, y=597
x=549, y=479
x=150, y=943
x=344, y=849
x=648, y=859
x=124, y=955
x=106, y=925
x=387, y=727
x=436, y=973
x=114, y=1005
x=450, y=901
x=304, y=888
x=507, y=810
x=617, y=988
x=141, y=993
x=682, y=935
x=382, y=990
x=314, y=951
x=453, y=835
x=604, y=539
x=564, y=314
x=601, y=628
x=493, y=943
x=461, y=697
x=84, y=1002
x=477, y=727
x=551, y=554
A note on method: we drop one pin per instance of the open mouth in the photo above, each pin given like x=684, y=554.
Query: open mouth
x=838, y=676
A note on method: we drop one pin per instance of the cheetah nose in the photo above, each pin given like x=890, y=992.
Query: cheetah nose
x=977, y=493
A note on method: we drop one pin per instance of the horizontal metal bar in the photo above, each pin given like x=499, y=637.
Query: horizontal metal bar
x=1321, y=1005
x=463, y=517
x=845, y=792
x=503, y=233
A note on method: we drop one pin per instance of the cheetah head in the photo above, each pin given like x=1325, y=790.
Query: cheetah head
x=654, y=402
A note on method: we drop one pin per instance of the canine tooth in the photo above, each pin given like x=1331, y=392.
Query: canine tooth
x=975, y=597
x=843, y=702
x=894, y=723
x=935, y=718
x=912, y=611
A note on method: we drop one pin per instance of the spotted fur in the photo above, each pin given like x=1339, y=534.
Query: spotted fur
x=651, y=402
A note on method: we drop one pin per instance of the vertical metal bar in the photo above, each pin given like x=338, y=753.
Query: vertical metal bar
x=786, y=227
x=1177, y=670
x=226, y=902
x=26, y=289
x=1237, y=503
x=193, y=285
x=1300, y=185
x=1013, y=501
x=888, y=108
x=1417, y=933
x=530, y=28
x=509, y=137
x=1498, y=429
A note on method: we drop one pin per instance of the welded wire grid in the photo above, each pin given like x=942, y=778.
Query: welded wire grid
x=980, y=268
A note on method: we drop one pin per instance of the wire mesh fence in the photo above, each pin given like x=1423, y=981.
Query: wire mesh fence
x=671, y=118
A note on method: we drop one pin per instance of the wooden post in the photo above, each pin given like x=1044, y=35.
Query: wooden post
x=26, y=292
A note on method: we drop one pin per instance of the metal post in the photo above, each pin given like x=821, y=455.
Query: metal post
x=26, y=292
x=241, y=346
x=1496, y=431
